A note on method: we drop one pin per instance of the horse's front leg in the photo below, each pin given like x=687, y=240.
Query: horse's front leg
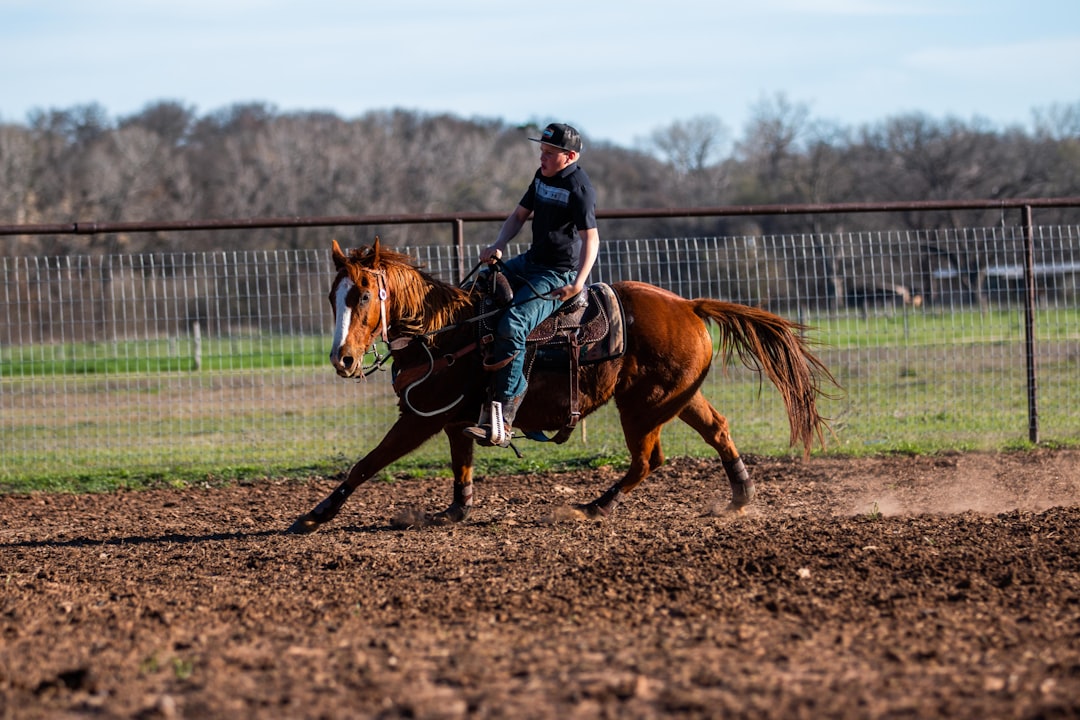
x=461, y=460
x=406, y=435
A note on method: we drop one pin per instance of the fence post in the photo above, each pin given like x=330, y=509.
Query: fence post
x=1029, y=327
x=196, y=350
x=459, y=247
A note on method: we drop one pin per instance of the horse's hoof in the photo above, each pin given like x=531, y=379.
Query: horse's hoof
x=442, y=519
x=566, y=514
x=450, y=516
x=589, y=512
x=304, y=525
x=733, y=509
x=742, y=493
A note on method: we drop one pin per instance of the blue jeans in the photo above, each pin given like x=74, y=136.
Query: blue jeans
x=525, y=313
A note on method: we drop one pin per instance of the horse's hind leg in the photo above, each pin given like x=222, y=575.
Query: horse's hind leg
x=713, y=428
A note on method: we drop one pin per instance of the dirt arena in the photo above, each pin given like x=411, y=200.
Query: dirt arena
x=894, y=587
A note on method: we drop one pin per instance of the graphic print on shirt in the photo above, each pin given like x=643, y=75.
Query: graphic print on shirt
x=550, y=194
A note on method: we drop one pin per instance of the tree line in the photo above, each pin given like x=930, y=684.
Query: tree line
x=167, y=162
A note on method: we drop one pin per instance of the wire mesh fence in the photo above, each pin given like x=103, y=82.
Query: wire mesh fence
x=217, y=362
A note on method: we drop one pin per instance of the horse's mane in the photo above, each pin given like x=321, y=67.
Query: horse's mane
x=418, y=302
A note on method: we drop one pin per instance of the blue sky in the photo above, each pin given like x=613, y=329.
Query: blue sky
x=617, y=70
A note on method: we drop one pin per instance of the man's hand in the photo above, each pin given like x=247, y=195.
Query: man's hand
x=490, y=254
x=564, y=293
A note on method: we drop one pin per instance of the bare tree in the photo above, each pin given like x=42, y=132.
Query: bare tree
x=246, y=160
x=693, y=145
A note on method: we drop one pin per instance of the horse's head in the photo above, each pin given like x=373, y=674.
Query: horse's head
x=381, y=293
x=358, y=297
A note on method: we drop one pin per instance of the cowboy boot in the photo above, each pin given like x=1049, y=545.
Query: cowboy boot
x=485, y=431
x=481, y=431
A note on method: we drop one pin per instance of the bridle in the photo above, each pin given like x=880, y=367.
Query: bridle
x=384, y=295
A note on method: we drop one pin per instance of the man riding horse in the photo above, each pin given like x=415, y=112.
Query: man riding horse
x=562, y=204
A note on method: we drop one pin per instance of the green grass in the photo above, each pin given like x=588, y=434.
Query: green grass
x=150, y=357
x=101, y=416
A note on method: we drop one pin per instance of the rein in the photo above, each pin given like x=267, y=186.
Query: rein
x=408, y=378
x=483, y=316
x=378, y=363
x=433, y=366
x=381, y=360
x=536, y=293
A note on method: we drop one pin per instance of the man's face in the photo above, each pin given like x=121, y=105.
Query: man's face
x=553, y=160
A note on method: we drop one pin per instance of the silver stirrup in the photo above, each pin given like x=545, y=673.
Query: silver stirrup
x=499, y=433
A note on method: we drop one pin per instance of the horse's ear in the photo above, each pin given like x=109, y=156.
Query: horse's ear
x=339, y=257
x=375, y=252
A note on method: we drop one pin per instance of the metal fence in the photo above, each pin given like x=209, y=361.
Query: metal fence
x=146, y=364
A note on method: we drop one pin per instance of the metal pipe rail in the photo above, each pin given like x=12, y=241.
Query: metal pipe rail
x=95, y=227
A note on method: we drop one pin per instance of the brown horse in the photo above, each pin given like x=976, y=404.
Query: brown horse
x=668, y=352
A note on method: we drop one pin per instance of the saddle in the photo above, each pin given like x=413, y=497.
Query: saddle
x=584, y=330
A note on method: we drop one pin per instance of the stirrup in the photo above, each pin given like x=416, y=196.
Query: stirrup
x=500, y=434
x=494, y=432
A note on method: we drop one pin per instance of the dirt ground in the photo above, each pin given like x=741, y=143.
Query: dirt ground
x=894, y=587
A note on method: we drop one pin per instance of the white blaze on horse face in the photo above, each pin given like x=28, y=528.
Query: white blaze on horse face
x=342, y=318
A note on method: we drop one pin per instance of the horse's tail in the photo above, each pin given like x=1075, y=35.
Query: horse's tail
x=771, y=344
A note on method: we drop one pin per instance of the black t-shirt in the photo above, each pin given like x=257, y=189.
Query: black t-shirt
x=562, y=206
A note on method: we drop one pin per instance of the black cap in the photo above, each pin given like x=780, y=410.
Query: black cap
x=561, y=136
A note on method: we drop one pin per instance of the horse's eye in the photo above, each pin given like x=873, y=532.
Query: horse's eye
x=353, y=298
